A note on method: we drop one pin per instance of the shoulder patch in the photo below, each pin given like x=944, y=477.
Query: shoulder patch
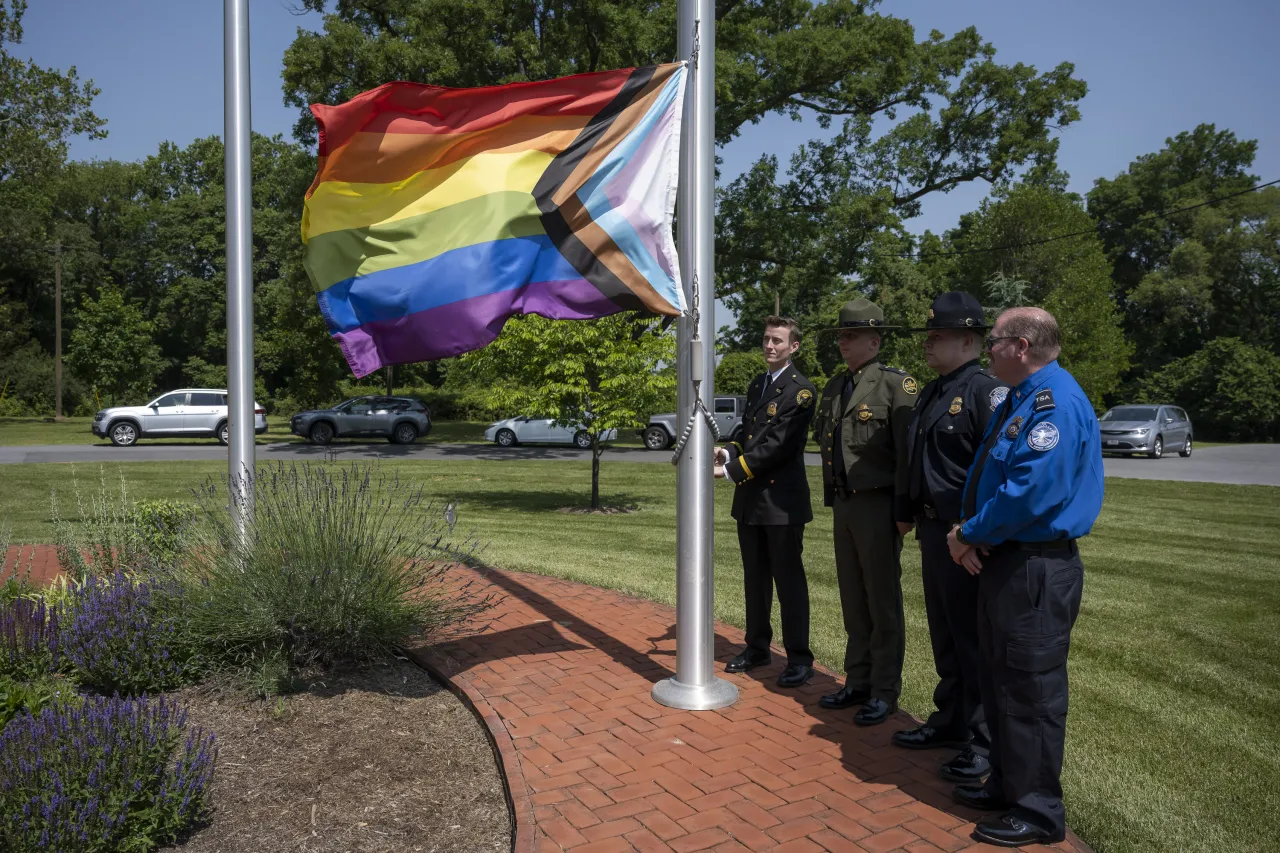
x=1044, y=400
x=909, y=385
x=997, y=396
x=1043, y=436
x=804, y=398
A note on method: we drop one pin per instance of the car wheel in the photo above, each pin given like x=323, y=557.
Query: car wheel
x=1157, y=449
x=224, y=433
x=124, y=434
x=505, y=438
x=582, y=439
x=656, y=438
x=404, y=434
x=321, y=433
x=1186, y=449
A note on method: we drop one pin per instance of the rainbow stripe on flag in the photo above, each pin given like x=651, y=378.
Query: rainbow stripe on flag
x=436, y=214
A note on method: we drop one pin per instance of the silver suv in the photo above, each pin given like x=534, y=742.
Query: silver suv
x=662, y=429
x=187, y=412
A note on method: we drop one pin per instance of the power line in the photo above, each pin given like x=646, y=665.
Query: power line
x=1094, y=230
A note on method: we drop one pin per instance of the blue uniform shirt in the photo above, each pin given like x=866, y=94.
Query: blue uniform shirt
x=1043, y=478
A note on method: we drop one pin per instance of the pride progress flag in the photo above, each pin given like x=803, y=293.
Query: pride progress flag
x=437, y=213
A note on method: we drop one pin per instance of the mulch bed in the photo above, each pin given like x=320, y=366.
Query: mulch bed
x=383, y=759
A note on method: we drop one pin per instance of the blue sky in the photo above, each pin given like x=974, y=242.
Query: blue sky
x=1154, y=68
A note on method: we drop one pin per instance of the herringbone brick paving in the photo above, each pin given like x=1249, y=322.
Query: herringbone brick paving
x=561, y=673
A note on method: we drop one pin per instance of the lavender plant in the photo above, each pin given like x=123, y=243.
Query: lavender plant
x=335, y=564
x=126, y=635
x=29, y=638
x=111, y=774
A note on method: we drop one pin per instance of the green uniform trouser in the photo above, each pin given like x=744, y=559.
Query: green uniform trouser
x=869, y=568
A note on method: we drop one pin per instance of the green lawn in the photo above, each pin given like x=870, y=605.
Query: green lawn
x=1174, y=734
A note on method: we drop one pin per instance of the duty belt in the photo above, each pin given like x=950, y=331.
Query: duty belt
x=1056, y=546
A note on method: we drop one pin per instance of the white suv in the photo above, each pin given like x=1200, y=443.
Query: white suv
x=187, y=412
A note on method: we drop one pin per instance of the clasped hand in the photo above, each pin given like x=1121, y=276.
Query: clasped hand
x=721, y=459
x=965, y=555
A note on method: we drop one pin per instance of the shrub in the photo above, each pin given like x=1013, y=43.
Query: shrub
x=1230, y=388
x=160, y=525
x=32, y=696
x=332, y=567
x=128, y=636
x=29, y=638
x=102, y=538
x=110, y=774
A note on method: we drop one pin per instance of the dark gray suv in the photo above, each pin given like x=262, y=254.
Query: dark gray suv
x=401, y=420
x=1150, y=429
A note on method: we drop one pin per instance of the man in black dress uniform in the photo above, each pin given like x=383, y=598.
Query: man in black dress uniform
x=945, y=435
x=771, y=504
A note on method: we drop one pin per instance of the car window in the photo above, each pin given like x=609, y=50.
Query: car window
x=168, y=401
x=1181, y=414
x=724, y=405
x=1131, y=413
x=206, y=398
x=360, y=407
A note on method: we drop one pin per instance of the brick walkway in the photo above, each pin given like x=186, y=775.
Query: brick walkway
x=561, y=674
x=40, y=560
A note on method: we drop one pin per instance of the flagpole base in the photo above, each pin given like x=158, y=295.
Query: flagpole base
x=695, y=697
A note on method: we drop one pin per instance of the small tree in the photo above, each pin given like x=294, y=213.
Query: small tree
x=112, y=347
x=603, y=374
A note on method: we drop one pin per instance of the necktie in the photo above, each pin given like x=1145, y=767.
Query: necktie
x=970, y=506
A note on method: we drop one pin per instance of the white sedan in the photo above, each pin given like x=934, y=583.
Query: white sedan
x=526, y=430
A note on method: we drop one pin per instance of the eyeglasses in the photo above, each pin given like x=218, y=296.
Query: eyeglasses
x=991, y=340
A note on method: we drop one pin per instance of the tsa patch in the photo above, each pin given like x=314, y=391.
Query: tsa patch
x=1043, y=436
x=998, y=396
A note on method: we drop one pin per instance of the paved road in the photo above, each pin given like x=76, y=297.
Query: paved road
x=1257, y=464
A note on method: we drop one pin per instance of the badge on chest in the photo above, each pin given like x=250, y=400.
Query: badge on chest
x=771, y=409
x=956, y=405
x=864, y=413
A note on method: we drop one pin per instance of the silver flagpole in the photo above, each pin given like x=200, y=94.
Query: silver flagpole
x=236, y=127
x=695, y=686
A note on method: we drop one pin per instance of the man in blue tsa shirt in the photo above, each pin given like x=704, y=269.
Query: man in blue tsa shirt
x=1035, y=487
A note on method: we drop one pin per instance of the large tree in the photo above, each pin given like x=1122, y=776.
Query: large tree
x=1069, y=277
x=1189, y=277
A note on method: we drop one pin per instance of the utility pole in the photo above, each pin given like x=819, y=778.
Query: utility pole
x=57, y=331
x=390, y=380
x=695, y=686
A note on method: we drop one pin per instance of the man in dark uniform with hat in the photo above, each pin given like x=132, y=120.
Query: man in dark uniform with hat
x=771, y=504
x=861, y=427
x=946, y=433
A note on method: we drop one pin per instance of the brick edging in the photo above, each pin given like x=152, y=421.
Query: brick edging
x=519, y=798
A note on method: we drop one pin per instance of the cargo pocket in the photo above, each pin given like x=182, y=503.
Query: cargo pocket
x=1036, y=684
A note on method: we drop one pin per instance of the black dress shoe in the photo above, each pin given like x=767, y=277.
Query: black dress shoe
x=926, y=737
x=967, y=768
x=845, y=697
x=874, y=712
x=1010, y=831
x=795, y=675
x=747, y=660
x=978, y=798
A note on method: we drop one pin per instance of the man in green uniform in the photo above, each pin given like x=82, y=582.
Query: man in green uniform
x=861, y=426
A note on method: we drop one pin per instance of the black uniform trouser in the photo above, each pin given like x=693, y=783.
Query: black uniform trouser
x=1028, y=601
x=951, y=605
x=869, y=570
x=771, y=555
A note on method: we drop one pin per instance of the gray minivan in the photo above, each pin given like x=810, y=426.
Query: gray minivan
x=1149, y=429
